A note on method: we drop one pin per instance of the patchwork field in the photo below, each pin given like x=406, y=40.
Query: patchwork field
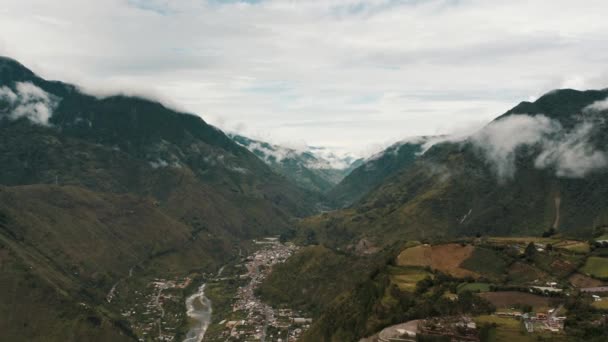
x=603, y=304
x=520, y=273
x=507, y=329
x=574, y=246
x=509, y=299
x=596, y=267
x=487, y=262
x=581, y=280
x=407, y=277
x=522, y=240
x=446, y=258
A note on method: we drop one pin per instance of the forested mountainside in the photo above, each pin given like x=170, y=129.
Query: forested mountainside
x=376, y=170
x=539, y=166
x=92, y=187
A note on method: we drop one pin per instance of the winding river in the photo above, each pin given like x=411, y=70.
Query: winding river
x=198, y=309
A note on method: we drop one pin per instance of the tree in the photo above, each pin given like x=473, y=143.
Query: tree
x=530, y=252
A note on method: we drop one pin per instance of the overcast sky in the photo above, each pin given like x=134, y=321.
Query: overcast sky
x=345, y=74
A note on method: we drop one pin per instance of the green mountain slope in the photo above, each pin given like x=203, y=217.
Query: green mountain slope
x=376, y=170
x=521, y=175
x=92, y=187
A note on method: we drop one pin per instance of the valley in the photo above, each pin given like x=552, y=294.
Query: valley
x=208, y=307
x=122, y=219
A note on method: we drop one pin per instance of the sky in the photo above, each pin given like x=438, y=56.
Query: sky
x=349, y=75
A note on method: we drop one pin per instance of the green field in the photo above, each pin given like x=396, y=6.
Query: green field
x=603, y=304
x=407, y=277
x=507, y=329
x=596, y=267
x=574, y=246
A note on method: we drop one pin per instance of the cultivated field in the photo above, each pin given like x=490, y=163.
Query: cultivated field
x=508, y=299
x=446, y=258
x=407, y=277
x=596, y=267
x=581, y=280
x=573, y=246
x=520, y=273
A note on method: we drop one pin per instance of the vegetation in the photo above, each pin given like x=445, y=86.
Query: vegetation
x=596, y=267
x=113, y=185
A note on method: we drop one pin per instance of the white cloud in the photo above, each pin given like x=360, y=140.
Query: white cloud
x=337, y=73
x=500, y=139
x=572, y=156
x=597, y=106
x=569, y=153
x=28, y=101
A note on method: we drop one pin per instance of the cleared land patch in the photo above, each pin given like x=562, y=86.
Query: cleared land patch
x=486, y=262
x=574, y=246
x=581, y=280
x=603, y=304
x=507, y=329
x=508, y=299
x=596, y=267
x=522, y=273
x=445, y=258
x=407, y=277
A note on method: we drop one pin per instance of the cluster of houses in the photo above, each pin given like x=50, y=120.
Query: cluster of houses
x=263, y=322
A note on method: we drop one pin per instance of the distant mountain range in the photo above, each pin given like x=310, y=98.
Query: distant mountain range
x=313, y=168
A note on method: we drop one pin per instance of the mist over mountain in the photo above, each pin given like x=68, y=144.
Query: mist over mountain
x=541, y=165
x=313, y=168
x=93, y=187
x=100, y=193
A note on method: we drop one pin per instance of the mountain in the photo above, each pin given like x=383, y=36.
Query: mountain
x=376, y=169
x=313, y=168
x=91, y=188
x=539, y=166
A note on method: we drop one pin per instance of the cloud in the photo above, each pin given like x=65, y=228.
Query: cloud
x=597, y=106
x=500, y=140
x=296, y=70
x=572, y=156
x=28, y=101
x=570, y=153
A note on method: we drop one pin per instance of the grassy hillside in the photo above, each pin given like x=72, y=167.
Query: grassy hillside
x=69, y=245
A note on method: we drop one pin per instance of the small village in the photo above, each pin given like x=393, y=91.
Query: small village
x=263, y=322
x=157, y=312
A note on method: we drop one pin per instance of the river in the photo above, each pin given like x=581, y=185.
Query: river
x=198, y=309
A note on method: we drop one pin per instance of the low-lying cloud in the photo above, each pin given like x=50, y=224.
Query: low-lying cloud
x=573, y=156
x=28, y=101
x=597, y=106
x=569, y=153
